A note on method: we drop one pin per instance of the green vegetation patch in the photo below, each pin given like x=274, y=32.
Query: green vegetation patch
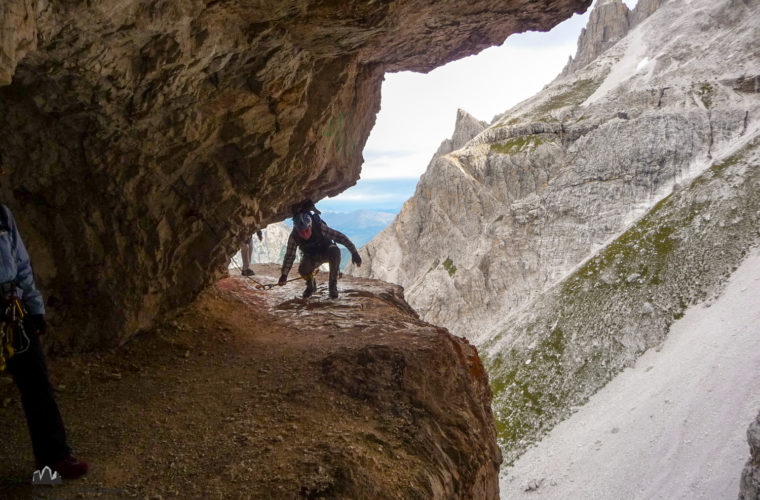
x=571, y=95
x=578, y=92
x=520, y=144
x=511, y=121
x=521, y=396
x=448, y=264
x=706, y=92
x=718, y=168
x=642, y=250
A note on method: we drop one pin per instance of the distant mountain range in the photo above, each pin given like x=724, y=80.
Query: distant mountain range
x=360, y=226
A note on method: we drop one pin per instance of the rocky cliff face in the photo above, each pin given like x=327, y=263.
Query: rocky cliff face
x=466, y=127
x=144, y=135
x=555, y=178
x=272, y=246
x=385, y=255
x=608, y=23
x=750, y=485
x=573, y=338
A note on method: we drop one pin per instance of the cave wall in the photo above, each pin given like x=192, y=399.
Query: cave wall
x=141, y=138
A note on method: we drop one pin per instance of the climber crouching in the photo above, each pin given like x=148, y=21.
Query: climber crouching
x=317, y=241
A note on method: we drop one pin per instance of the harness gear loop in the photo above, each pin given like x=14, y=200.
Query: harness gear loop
x=11, y=324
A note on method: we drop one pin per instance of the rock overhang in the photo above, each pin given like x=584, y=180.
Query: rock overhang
x=144, y=137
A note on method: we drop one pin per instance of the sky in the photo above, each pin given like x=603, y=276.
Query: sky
x=418, y=110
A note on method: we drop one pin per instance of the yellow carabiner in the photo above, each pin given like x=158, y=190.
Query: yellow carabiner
x=20, y=309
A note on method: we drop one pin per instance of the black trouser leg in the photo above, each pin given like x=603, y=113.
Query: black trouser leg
x=308, y=264
x=42, y=415
x=333, y=257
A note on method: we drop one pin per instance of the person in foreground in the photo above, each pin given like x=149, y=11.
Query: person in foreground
x=22, y=315
x=317, y=241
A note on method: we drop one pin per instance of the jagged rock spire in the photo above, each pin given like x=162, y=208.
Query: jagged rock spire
x=608, y=23
x=465, y=128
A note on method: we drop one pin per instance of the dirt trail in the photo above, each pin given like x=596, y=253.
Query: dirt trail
x=229, y=401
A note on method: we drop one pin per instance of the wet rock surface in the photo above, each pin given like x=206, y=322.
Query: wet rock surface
x=263, y=394
x=143, y=136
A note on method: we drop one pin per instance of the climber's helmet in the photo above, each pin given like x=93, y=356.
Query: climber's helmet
x=302, y=223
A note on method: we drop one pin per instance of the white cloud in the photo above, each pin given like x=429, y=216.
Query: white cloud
x=368, y=197
x=410, y=164
x=418, y=110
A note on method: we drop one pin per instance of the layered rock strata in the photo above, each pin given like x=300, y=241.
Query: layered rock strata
x=143, y=136
x=608, y=23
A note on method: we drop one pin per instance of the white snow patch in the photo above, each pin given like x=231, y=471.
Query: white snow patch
x=671, y=427
x=642, y=64
x=623, y=69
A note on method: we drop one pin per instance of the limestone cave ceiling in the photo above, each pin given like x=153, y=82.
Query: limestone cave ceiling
x=141, y=137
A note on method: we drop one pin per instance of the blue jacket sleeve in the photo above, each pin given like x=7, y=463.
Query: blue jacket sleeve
x=32, y=297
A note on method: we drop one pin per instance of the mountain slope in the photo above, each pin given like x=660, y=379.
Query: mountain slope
x=494, y=223
x=679, y=413
x=568, y=236
x=579, y=334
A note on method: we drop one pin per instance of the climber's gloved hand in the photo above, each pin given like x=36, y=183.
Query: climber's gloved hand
x=283, y=279
x=356, y=259
x=37, y=324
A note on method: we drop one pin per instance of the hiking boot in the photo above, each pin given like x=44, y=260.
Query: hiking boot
x=333, y=289
x=311, y=287
x=71, y=468
x=247, y=272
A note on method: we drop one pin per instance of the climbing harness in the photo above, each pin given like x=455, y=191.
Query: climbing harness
x=13, y=337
